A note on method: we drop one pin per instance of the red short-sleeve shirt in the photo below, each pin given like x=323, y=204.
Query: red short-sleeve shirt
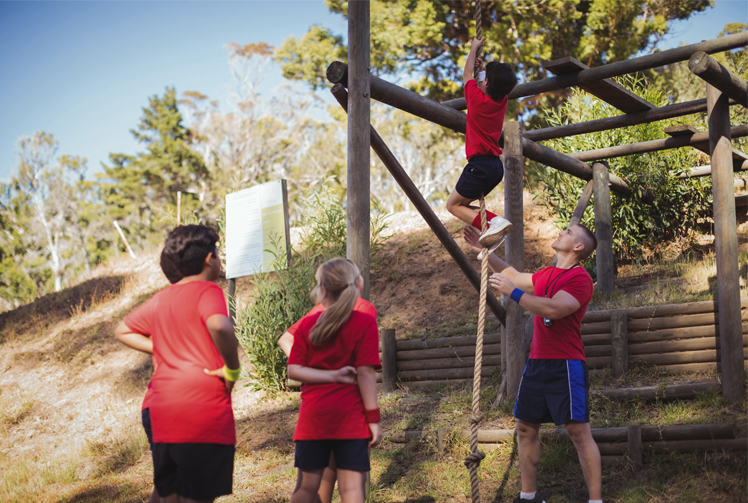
x=186, y=405
x=563, y=339
x=335, y=411
x=485, y=119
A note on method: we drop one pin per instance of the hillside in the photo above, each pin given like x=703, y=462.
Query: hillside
x=70, y=395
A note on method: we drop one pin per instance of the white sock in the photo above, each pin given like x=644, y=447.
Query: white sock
x=526, y=496
x=596, y=501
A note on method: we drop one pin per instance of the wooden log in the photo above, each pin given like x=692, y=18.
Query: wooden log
x=726, y=245
x=581, y=207
x=689, y=368
x=694, y=344
x=358, y=174
x=706, y=306
x=655, y=60
x=724, y=444
x=596, y=327
x=593, y=351
x=403, y=437
x=446, y=342
x=619, y=121
x=712, y=72
x=686, y=320
x=689, y=432
x=389, y=359
x=634, y=445
x=402, y=178
x=404, y=99
x=437, y=383
x=447, y=363
x=678, y=333
x=653, y=146
x=596, y=340
x=599, y=362
x=619, y=345
x=603, y=229
x=670, y=392
x=738, y=157
x=704, y=356
x=610, y=449
x=707, y=171
x=568, y=164
x=514, y=247
x=459, y=351
x=428, y=375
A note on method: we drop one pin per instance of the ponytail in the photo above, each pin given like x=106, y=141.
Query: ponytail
x=338, y=277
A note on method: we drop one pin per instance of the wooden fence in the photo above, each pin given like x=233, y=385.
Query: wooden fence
x=676, y=338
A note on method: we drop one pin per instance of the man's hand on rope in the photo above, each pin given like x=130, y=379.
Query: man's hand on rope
x=471, y=235
x=501, y=283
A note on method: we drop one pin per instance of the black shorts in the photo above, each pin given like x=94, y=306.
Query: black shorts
x=193, y=470
x=481, y=175
x=145, y=416
x=349, y=454
x=553, y=391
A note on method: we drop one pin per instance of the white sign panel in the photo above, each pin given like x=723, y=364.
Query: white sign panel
x=255, y=219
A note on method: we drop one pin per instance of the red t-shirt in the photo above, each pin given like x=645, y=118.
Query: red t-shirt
x=186, y=405
x=361, y=305
x=563, y=339
x=335, y=411
x=485, y=118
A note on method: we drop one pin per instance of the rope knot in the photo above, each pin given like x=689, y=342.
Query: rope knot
x=474, y=459
x=476, y=418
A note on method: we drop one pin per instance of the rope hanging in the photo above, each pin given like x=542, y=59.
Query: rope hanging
x=472, y=461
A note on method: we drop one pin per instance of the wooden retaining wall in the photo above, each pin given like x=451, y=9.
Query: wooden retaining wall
x=676, y=338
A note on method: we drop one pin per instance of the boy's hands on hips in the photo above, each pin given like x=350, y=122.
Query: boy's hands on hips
x=219, y=373
x=376, y=434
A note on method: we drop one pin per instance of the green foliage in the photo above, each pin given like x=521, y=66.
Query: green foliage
x=283, y=297
x=640, y=230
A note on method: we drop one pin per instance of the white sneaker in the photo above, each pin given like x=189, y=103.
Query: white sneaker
x=498, y=227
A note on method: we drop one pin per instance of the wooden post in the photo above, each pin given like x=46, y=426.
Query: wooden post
x=389, y=359
x=179, y=208
x=358, y=176
x=415, y=197
x=124, y=239
x=726, y=245
x=711, y=71
x=635, y=444
x=603, y=228
x=514, y=251
x=232, y=300
x=441, y=440
x=619, y=344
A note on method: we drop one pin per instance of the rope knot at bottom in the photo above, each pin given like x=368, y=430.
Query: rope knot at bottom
x=476, y=418
x=474, y=459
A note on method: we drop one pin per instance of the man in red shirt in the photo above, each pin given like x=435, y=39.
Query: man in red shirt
x=486, y=106
x=555, y=383
x=329, y=477
x=188, y=403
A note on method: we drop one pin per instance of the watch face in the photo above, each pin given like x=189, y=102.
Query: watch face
x=547, y=322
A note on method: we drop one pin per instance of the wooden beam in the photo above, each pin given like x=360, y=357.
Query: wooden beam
x=603, y=229
x=410, y=189
x=389, y=359
x=652, y=145
x=655, y=60
x=403, y=99
x=726, y=246
x=712, y=72
x=707, y=170
x=359, y=156
x=738, y=157
x=584, y=200
x=514, y=251
x=607, y=90
x=619, y=345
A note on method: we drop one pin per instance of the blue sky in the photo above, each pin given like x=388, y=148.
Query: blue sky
x=83, y=71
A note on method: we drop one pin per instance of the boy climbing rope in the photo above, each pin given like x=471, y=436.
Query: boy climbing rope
x=186, y=328
x=335, y=354
x=486, y=104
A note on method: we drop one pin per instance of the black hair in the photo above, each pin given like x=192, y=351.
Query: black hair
x=501, y=80
x=185, y=250
x=588, y=240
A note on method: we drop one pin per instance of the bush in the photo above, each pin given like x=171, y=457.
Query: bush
x=640, y=230
x=282, y=298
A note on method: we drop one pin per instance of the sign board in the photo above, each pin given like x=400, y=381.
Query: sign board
x=255, y=218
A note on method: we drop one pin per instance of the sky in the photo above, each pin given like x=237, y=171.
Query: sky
x=84, y=70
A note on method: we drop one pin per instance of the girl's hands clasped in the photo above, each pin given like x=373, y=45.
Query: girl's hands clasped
x=346, y=375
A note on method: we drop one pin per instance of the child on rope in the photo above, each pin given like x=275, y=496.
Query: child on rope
x=188, y=404
x=329, y=476
x=335, y=354
x=486, y=106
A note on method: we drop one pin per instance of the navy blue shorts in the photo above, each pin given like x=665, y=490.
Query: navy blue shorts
x=481, y=175
x=145, y=415
x=554, y=391
x=349, y=454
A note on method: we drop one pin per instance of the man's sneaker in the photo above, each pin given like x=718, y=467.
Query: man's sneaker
x=536, y=499
x=498, y=227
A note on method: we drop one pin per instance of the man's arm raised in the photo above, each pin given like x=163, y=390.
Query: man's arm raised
x=523, y=280
x=561, y=305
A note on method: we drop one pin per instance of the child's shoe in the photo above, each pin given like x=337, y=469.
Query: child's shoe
x=498, y=227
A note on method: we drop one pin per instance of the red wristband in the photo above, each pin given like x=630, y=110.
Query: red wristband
x=373, y=416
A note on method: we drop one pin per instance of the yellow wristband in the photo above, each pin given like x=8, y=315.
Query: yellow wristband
x=231, y=374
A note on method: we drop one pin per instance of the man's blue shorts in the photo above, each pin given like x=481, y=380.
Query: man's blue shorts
x=554, y=391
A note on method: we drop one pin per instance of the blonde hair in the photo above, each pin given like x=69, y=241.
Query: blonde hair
x=338, y=277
